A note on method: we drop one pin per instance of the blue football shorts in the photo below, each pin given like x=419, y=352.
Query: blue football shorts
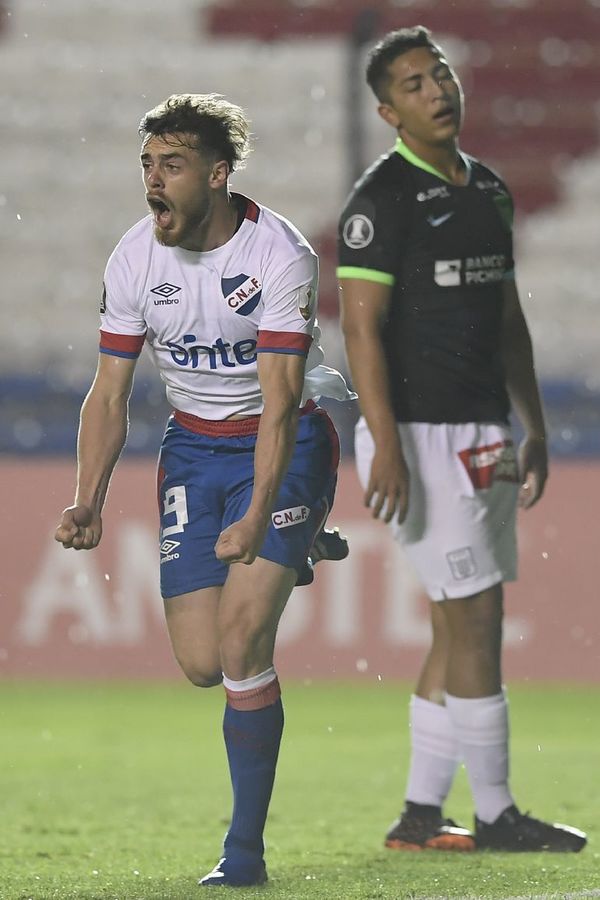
x=205, y=483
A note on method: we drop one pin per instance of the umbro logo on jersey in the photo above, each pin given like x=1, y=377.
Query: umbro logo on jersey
x=435, y=221
x=166, y=290
x=242, y=293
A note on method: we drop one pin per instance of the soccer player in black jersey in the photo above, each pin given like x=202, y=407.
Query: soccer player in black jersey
x=439, y=351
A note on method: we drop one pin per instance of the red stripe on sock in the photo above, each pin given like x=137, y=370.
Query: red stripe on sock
x=257, y=698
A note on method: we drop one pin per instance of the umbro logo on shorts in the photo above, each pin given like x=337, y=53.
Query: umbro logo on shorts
x=166, y=551
x=283, y=518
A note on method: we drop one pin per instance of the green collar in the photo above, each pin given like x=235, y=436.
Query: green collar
x=415, y=160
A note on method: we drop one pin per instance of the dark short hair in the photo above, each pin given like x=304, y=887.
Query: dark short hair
x=394, y=44
x=220, y=128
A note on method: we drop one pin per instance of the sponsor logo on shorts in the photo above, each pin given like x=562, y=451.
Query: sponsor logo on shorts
x=295, y=515
x=166, y=551
x=462, y=563
x=358, y=232
x=494, y=462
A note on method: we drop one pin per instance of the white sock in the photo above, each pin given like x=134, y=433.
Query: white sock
x=252, y=683
x=434, y=753
x=481, y=727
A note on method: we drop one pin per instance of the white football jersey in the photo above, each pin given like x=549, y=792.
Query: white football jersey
x=205, y=316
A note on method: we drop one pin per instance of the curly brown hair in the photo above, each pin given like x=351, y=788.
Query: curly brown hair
x=218, y=128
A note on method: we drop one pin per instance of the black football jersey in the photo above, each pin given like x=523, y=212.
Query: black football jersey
x=444, y=250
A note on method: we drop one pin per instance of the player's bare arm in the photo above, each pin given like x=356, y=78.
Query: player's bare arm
x=281, y=378
x=364, y=306
x=522, y=386
x=102, y=434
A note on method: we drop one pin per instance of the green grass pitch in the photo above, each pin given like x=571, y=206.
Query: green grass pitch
x=120, y=792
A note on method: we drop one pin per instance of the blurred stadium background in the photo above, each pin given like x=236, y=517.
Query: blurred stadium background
x=76, y=79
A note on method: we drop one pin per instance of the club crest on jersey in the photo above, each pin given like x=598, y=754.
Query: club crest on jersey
x=242, y=293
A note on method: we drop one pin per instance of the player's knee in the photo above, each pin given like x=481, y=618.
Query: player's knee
x=244, y=644
x=204, y=679
x=202, y=676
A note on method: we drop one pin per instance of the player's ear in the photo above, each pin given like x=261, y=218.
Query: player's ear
x=219, y=174
x=389, y=115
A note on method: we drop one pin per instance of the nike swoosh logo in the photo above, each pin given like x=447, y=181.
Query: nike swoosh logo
x=434, y=222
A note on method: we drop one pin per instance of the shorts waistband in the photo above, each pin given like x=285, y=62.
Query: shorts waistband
x=227, y=427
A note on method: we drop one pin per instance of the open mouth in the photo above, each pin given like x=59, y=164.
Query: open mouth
x=444, y=114
x=163, y=216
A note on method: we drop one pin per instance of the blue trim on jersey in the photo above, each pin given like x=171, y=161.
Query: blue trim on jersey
x=124, y=354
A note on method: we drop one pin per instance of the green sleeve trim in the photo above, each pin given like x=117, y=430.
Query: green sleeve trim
x=365, y=274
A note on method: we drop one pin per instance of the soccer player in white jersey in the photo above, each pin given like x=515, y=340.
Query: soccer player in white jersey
x=223, y=292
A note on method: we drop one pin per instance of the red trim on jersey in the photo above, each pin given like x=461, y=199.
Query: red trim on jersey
x=252, y=210
x=122, y=343
x=228, y=427
x=282, y=341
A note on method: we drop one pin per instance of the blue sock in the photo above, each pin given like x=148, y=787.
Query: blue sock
x=252, y=738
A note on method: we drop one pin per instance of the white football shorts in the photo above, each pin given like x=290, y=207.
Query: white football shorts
x=460, y=529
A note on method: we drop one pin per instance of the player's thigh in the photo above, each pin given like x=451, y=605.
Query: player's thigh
x=190, y=487
x=475, y=622
x=251, y=603
x=192, y=622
